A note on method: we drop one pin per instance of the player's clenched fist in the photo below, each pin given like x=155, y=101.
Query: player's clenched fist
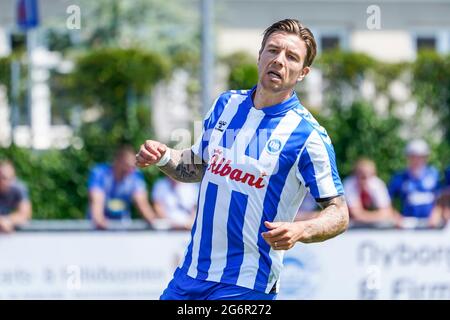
x=150, y=153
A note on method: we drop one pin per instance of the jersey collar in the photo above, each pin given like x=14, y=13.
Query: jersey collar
x=277, y=109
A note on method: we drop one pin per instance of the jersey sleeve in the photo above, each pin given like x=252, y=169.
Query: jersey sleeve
x=200, y=146
x=317, y=168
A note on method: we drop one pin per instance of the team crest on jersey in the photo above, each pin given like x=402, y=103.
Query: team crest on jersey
x=273, y=146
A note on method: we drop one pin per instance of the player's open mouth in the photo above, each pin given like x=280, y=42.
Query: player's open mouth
x=274, y=74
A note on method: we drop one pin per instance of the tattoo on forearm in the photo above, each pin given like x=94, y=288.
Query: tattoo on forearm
x=183, y=166
x=332, y=221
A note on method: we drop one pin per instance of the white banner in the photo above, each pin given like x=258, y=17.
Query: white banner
x=370, y=264
x=88, y=265
x=360, y=264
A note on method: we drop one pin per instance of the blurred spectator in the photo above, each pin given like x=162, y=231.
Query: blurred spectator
x=113, y=188
x=417, y=186
x=176, y=202
x=367, y=195
x=15, y=206
x=444, y=197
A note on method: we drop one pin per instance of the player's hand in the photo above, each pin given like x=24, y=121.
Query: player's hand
x=282, y=235
x=150, y=153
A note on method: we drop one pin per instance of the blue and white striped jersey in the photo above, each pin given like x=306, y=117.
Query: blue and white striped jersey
x=259, y=166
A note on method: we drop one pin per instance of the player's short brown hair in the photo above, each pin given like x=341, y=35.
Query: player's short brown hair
x=293, y=26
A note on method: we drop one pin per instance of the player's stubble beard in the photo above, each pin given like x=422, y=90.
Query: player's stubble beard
x=275, y=89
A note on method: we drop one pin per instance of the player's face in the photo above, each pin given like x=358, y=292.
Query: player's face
x=280, y=64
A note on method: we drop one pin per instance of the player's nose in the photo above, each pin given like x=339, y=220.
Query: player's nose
x=279, y=59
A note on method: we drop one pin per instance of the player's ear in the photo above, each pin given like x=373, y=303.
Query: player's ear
x=303, y=74
x=259, y=55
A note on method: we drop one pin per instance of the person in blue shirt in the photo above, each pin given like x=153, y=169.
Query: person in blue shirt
x=417, y=185
x=113, y=188
x=444, y=199
x=15, y=205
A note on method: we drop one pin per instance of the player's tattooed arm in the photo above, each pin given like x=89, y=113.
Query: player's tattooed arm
x=184, y=166
x=331, y=221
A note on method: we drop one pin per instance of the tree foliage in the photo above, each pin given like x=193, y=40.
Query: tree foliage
x=431, y=86
x=118, y=83
x=355, y=126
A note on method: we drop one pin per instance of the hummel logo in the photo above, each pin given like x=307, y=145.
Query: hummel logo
x=220, y=125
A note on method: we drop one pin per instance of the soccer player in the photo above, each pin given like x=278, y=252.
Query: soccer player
x=259, y=153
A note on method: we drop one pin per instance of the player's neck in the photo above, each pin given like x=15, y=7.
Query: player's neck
x=263, y=98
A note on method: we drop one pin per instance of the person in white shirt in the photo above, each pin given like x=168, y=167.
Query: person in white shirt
x=176, y=202
x=367, y=195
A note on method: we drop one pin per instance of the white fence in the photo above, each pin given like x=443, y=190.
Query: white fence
x=360, y=264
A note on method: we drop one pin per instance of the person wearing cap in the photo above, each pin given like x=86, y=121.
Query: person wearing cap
x=416, y=187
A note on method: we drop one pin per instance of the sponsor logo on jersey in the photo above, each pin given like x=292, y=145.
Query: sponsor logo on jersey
x=222, y=167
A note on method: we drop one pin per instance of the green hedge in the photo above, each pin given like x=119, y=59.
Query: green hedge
x=354, y=126
x=57, y=180
x=120, y=81
x=358, y=131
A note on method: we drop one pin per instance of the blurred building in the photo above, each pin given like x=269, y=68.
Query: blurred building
x=389, y=30
x=404, y=26
x=31, y=125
